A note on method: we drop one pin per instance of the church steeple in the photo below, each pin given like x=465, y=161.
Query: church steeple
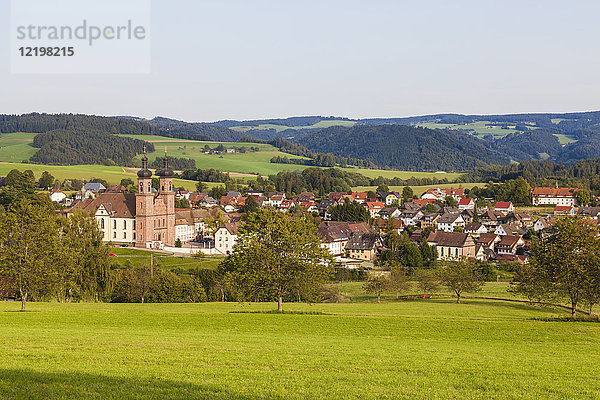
x=144, y=172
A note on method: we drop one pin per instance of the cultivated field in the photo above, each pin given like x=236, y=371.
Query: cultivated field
x=426, y=349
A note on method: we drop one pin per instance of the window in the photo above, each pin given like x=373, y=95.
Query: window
x=115, y=224
x=114, y=235
x=124, y=235
x=124, y=224
x=155, y=223
x=102, y=223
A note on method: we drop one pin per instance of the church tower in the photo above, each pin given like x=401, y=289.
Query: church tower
x=167, y=195
x=144, y=206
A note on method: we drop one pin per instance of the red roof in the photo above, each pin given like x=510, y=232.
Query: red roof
x=375, y=204
x=503, y=204
x=563, y=208
x=465, y=202
x=558, y=192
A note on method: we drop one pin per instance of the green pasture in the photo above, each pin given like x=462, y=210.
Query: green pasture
x=112, y=175
x=126, y=256
x=565, y=139
x=279, y=128
x=417, y=349
x=16, y=147
x=481, y=128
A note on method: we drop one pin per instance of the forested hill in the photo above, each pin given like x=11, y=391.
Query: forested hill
x=405, y=147
x=196, y=131
x=75, y=147
x=39, y=123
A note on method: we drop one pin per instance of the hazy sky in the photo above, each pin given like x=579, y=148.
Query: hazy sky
x=246, y=59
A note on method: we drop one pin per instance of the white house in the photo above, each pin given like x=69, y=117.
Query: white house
x=466, y=204
x=554, y=196
x=57, y=196
x=225, y=238
x=447, y=222
x=504, y=207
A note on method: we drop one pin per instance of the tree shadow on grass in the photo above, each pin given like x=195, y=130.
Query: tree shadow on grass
x=27, y=384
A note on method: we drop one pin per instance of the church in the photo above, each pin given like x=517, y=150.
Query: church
x=145, y=219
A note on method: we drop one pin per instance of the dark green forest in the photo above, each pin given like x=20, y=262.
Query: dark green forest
x=85, y=146
x=405, y=147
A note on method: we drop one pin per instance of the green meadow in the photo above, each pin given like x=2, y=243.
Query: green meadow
x=112, y=175
x=16, y=147
x=279, y=128
x=481, y=128
x=421, y=349
x=139, y=258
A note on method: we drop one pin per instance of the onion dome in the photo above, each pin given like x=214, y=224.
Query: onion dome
x=165, y=171
x=144, y=172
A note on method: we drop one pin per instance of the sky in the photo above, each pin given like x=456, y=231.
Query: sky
x=251, y=59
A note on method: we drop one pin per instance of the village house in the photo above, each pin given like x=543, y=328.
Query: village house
x=389, y=197
x=363, y=246
x=226, y=237
x=467, y=204
x=565, y=210
x=359, y=197
x=509, y=229
x=305, y=197
x=94, y=187
x=389, y=212
x=411, y=217
x=554, y=196
x=449, y=222
x=274, y=199
x=509, y=244
x=504, y=207
x=374, y=207
x=491, y=219
x=441, y=194
x=286, y=205
x=57, y=196
x=429, y=219
x=589, y=212
x=475, y=229
x=335, y=235
x=542, y=224
x=521, y=218
x=452, y=245
x=488, y=240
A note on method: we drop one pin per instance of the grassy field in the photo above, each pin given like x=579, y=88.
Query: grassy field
x=279, y=128
x=427, y=349
x=565, y=139
x=481, y=128
x=138, y=258
x=256, y=162
x=112, y=175
x=16, y=147
x=419, y=190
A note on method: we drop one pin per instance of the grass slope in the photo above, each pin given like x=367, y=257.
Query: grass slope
x=435, y=349
x=16, y=147
x=112, y=175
